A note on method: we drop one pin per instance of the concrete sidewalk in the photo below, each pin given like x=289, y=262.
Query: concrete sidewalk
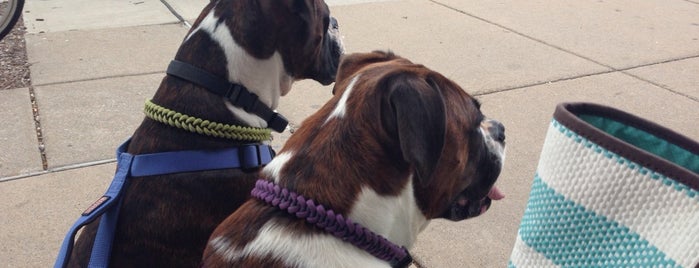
x=95, y=62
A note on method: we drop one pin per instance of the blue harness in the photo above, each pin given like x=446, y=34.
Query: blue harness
x=128, y=165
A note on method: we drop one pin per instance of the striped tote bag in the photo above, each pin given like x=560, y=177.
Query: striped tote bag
x=611, y=190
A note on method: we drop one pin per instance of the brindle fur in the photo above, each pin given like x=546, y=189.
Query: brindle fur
x=396, y=126
x=166, y=220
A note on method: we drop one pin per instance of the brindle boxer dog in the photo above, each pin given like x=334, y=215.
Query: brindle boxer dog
x=397, y=146
x=265, y=45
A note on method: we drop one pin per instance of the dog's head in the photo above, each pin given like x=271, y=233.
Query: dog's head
x=307, y=22
x=302, y=31
x=434, y=128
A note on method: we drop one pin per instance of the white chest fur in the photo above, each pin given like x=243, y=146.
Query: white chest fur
x=298, y=251
x=397, y=218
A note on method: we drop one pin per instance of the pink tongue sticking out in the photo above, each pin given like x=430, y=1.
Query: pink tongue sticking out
x=495, y=194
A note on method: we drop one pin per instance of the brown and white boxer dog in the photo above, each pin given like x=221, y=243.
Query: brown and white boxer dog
x=397, y=146
x=265, y=45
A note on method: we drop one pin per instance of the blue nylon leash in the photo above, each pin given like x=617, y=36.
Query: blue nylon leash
x=102, y=246
x=245, y=156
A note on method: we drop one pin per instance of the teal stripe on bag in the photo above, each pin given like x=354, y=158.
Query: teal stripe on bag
x=511, y=265
x=623, y=161
x=572, y=236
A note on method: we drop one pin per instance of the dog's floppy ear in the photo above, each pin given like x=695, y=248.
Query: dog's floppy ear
x=419, y=120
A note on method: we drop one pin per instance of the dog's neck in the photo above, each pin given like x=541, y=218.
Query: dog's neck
x=210, y=46
x=395, y=217
x=210, y=41
x=266, y=78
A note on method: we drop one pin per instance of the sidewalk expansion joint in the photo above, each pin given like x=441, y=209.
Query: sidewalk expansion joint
x=37, y=127
x=57, y=169
x=623, y=71
x=665, y=87
x=659, y=62
x=661, y=86
x=562, y=79
x=98, y=78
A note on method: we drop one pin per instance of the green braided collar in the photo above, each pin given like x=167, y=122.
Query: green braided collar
x=205, y=127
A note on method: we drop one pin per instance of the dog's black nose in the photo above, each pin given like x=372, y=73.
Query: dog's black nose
x=496, y=130
x=499, y=132
x=334, y=24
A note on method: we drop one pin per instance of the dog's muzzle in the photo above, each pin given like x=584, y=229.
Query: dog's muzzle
x=465, y=208
x=477, y=198
x=332, y=49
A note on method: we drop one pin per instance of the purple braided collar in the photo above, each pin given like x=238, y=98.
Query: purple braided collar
x=328, y=220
